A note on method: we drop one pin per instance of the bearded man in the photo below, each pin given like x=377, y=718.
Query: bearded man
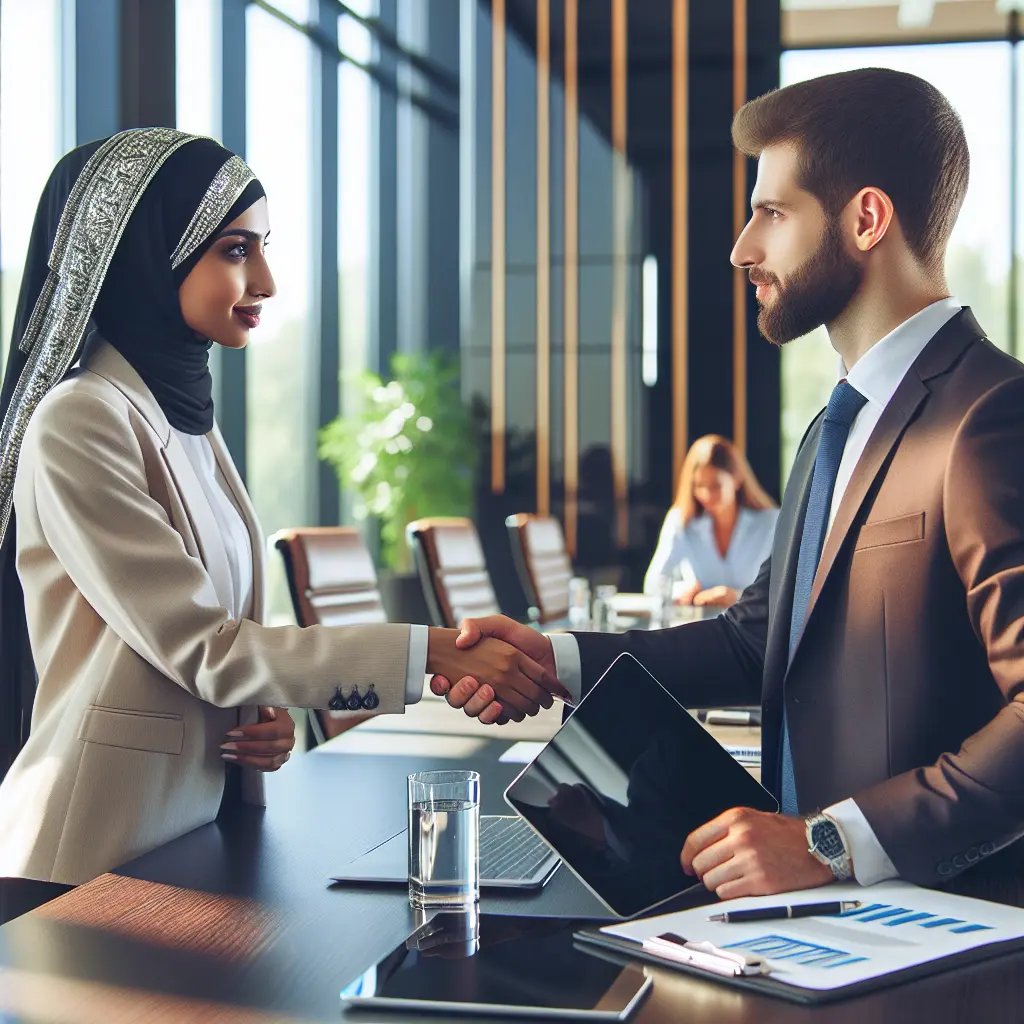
x=884, y=636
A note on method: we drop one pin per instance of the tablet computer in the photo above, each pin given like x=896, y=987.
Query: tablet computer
x=620, y=786
x=498, y=966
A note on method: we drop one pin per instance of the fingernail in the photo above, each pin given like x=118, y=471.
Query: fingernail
x=271, y=713
x=235, y=733
x=229, y=757
x=229, y=746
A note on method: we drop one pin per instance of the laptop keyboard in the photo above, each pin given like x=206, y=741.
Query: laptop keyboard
x=510, y=850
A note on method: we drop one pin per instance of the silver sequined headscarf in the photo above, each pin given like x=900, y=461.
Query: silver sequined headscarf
x=94, y=218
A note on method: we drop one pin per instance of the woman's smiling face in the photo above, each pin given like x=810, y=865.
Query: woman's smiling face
x=222, y=297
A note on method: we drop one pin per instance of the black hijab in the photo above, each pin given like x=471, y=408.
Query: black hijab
x=137, y=311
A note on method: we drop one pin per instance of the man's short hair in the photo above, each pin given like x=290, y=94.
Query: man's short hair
x=876, y=127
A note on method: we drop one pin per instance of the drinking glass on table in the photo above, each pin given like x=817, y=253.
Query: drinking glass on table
x=444, y=839
x=579, y=602
x=661, y=610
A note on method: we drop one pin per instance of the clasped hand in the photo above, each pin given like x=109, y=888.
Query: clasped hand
x=742, y=852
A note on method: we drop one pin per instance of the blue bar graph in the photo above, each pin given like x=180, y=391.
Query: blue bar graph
x=807, y=954
x=908, y=919
x=863, y=910
x=963, y=929
x=942, y=922
x=879, y=915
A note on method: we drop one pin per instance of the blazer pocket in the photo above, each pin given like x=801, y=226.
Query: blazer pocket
x=901, y=530
x=135, y=730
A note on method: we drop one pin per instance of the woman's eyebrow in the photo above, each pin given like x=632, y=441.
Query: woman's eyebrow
x=251, y=236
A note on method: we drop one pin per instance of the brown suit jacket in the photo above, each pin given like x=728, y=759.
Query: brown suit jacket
x=141, y=671
x=906, y=689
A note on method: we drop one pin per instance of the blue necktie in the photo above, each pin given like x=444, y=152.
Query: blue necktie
x=843, y=406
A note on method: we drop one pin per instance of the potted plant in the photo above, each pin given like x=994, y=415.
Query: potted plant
x=408, y=450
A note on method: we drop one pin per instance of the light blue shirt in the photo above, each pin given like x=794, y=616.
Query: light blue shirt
x=688, y=553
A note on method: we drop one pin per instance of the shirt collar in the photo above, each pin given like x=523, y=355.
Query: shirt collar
x=877, y=374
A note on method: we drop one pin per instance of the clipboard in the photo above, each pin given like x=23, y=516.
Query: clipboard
x=622, y=951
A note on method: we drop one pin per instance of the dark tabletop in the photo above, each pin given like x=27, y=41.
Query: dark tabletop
x=236, y=921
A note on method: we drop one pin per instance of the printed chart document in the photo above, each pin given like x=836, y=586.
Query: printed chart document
x=898, y=926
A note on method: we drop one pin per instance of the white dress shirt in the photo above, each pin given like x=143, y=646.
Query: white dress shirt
x=876, y=375
x=690, y=553
x=238, y=549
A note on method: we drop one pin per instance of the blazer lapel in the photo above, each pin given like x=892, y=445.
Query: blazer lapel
x=102, y=358
x=939, y=354
x=242, y=500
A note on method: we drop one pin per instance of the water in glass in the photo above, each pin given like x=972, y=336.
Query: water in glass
x=444, y=853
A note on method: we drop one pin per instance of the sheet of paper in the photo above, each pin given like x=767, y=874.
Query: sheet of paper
x=745, y=755
x=897, y=926
x=522, y=753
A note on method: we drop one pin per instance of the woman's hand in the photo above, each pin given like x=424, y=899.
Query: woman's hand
x=264, y=745
x=719, y=597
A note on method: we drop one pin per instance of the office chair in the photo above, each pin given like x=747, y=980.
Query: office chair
x=332, y=583
x=542, y=561
x=452, y=570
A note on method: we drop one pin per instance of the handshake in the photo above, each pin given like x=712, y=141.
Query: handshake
x=494, y=668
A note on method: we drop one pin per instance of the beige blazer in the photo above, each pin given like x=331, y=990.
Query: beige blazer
x=141, y=672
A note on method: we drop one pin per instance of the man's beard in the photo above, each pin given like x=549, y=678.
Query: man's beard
x=815, y=294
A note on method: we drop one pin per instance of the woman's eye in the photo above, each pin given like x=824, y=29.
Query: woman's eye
x=238, y=252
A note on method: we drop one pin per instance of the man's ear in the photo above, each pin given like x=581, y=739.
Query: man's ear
x=871, y=212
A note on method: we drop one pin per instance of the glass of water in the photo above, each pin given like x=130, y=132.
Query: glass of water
x=444, y=839
x=579, y=602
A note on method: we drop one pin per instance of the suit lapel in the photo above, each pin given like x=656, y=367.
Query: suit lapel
x=102, y=358
x=938, y=356
x=242, y=500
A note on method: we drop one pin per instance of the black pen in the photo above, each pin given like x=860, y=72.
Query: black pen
x=774, y=913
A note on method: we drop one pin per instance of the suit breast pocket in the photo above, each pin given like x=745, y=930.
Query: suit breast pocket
x=156, y=732
x=888, y=532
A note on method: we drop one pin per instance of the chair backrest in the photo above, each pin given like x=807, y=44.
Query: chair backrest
x=331, y=576
x=538, y=547
x=451, y=566
x=332, y=583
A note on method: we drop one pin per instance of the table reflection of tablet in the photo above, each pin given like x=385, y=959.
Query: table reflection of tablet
x=622, y=784
x=491, y=965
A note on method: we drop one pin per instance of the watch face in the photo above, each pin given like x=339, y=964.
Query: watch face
x=827, y=840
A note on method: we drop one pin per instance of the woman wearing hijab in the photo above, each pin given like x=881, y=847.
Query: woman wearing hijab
x=137, y=596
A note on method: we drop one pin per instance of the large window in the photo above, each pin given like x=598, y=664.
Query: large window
x=280, y=393
x=976, y=77
x=355, y=140
x=32, y=132
x=198, y=42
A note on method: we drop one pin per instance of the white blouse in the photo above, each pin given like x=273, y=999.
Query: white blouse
x=237, y=544
x=689, y=553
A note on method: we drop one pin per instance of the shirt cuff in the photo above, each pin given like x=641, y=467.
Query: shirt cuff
x=870, y=861
x=417, y=664
x=567, y=663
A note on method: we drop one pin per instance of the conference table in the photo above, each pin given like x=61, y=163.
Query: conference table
x=237, y=921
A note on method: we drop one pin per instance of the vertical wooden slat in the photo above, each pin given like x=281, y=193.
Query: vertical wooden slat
x=498, y=246
x=543, y=257
x=680, y=240
x=571, y=277
x=739, y=218
x=620, y=227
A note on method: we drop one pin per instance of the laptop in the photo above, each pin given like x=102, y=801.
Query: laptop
x=616, y=791
x=512, y=856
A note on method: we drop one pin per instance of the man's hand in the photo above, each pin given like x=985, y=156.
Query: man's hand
x=264, y=745
x=719, y=597
x=473, y=694
x=505, y=680
x=752, y=853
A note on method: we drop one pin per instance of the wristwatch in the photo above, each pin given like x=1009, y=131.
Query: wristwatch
x=826, y=842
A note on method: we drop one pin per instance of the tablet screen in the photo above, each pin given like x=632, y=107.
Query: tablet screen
x=623, y=783
x=487, y=963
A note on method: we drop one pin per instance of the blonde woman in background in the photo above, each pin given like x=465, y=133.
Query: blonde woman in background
x=719, y=530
